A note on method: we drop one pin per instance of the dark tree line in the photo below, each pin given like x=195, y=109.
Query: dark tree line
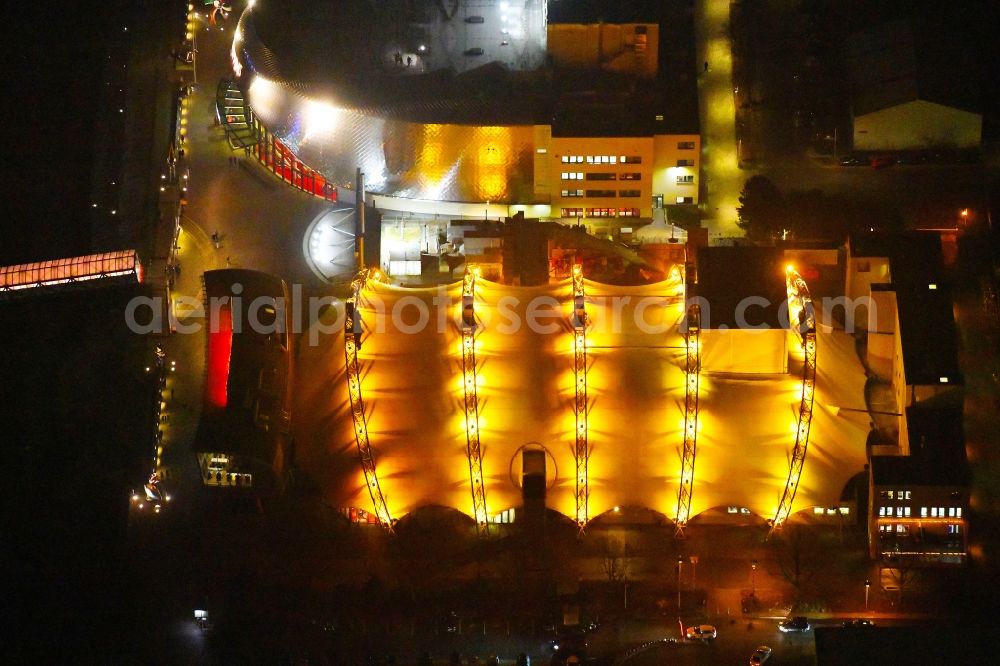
x=767, y=214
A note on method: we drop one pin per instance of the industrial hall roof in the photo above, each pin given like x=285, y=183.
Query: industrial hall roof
x=902, y=61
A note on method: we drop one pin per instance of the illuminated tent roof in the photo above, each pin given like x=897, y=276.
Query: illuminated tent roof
x=413, y=393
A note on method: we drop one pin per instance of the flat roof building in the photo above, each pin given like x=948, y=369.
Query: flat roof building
x=920, y=502
x=241, y=443
x=909, y=88
x=744, y=312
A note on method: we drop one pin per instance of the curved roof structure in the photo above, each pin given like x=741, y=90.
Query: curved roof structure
x=413, y=386
x=424, y=61
x=122, y=264
x=442, y=101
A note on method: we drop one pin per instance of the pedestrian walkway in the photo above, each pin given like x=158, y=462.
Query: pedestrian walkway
x=722, y=178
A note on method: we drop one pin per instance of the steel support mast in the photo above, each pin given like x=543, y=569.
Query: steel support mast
x=692, y=369
x=472, y=401
x=579, y=321
x=352, y=343
x=802, y=318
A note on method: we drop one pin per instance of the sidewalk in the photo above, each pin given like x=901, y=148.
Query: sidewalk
x=722, y=179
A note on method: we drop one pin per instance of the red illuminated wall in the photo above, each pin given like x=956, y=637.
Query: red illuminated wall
x=220, y=349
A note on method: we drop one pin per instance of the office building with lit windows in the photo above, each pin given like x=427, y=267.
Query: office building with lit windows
x=920, y=502
x=537, y=106
x=918, y=472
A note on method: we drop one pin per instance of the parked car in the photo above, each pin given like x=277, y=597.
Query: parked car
x=858, y=623
x=798, y=623
x=760, y=655
x=854, y=160
x=704, y=632
x=475, y=19
x=474, y=52
x=883, y=161
x=912, y=157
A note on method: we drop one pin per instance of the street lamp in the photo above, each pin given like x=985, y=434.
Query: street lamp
x=868, y=585
x=753, y=579
x=680, y=560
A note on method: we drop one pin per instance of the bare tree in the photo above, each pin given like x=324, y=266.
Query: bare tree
x=614, y=559
x=798, y=555
x=902, y=571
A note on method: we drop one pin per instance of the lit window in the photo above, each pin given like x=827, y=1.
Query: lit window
x=892, y=494
x=732, y=509
x=542, y=151
x=944, y=380
x=941, y=511
x=817, y=509
x=906, y=512
x=932, y=286
x=881, y=511
x=899, y=512
x=923, y=512
x=845, y=510
x=958, y=512
x=907, y=494
x=933, y=512
x=951, y=512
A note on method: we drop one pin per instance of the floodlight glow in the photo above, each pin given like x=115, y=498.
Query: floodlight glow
x=262, y=95
x=321, y=119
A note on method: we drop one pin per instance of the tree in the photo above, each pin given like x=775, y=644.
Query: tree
x=798, y=554
x=614, y=560
x=762, y=211
x=902, y=571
